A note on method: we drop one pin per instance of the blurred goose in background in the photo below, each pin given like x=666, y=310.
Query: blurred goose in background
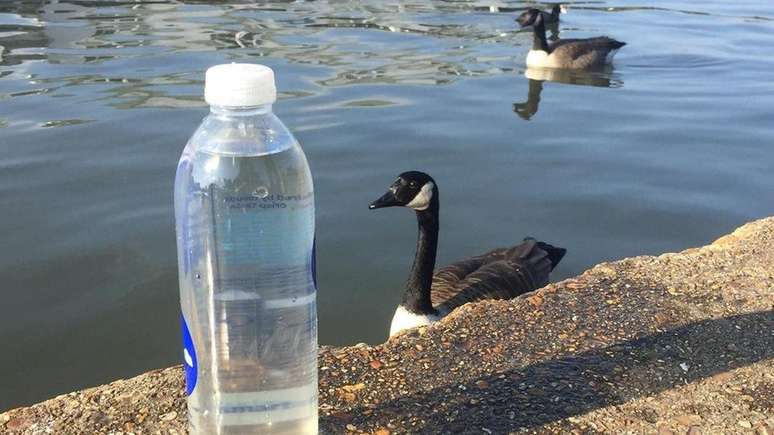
x=566, y=53
x=499, y=274
x=553, y=16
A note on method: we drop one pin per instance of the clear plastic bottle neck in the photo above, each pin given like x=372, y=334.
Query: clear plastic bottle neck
x=232, y=112
x=241, y=131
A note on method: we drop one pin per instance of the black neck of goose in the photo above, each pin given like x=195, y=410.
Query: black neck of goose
x=539, y=41
x=556, y=10
x=416, y=298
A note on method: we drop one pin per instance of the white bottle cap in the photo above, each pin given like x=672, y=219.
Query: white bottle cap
x=239, y=85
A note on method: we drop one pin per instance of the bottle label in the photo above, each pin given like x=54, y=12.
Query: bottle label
x=189, y=358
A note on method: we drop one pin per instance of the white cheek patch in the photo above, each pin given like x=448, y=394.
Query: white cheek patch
x=422, y=200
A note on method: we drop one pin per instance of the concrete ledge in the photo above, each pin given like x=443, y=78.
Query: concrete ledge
x=679, y=343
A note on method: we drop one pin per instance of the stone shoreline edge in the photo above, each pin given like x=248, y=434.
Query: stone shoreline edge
x=681, y=343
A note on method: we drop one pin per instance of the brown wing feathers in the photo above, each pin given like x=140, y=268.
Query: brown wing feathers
x=584, y=53
x=449, y=276
x=499, y=274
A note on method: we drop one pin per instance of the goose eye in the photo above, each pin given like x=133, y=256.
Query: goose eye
x=413, y=184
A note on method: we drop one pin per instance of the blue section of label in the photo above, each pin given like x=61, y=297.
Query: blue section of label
x=189, y=358
x=314, y=261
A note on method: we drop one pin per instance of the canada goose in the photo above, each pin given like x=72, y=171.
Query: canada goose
x=566, y=53
x=499, y=274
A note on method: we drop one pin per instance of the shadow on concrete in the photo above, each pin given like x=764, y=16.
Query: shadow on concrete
x=552, y=390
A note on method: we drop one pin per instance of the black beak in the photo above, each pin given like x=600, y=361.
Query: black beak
x=386, y=200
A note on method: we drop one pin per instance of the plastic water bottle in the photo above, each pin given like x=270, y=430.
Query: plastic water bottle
x=244, y=209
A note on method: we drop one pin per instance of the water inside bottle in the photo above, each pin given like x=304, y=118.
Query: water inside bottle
x=257, y=330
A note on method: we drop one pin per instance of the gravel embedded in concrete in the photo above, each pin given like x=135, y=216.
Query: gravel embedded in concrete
x=679, y=343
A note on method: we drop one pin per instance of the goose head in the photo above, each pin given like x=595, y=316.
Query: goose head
x=532, y=17
x=412, y=189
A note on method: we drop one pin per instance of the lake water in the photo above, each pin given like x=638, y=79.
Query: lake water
x=671, y=149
